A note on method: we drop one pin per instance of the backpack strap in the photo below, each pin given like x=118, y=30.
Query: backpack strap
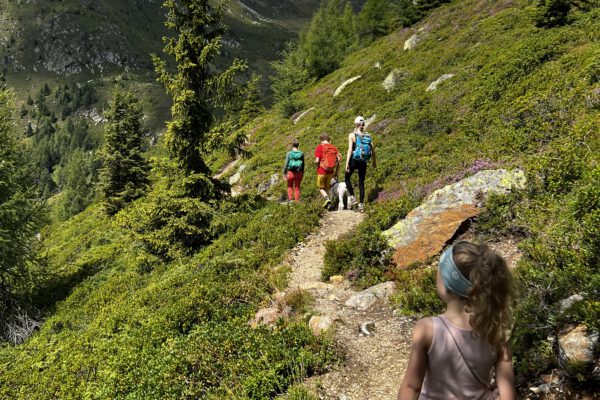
x=475, y=375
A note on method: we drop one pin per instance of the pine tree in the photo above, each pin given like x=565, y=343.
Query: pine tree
x=290, y=76
x=195, y=88
x=20, y=214
x=330, y=37
x=124, y=173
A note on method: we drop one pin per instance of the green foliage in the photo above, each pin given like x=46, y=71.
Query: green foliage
x=178, y=331
x=560, y=214
x=299, y=392
x=167, y=222
x=290, y=76
x=331, y=36
x=378, y=18
x=124, y=173
x=78, y=179
x=20, y=218
x=364, y=255
x=418, y=293
x=551, y=13
x=195, y=88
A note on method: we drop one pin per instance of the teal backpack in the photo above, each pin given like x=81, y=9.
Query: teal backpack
x=295, y=161
x=362, y=151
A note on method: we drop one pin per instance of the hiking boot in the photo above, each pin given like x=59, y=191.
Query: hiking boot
x=327, y=204
x=351, y=202
x=361, y=207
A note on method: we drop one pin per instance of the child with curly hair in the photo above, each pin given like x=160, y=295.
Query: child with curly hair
x=455, y=354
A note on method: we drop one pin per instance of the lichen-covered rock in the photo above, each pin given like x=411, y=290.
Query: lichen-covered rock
x=412, y=42
x=383, y=290
x=393, y=79
x=235, y=178
x=370, y=120
x=364, y=300
x=565, y=304
x=576, y=350
x=434, y=85
x=264, y=186
x=319, y=324
x=361, y=301
x=299, y=117
x=343, y=85
x=428, y=227
x=269, y=315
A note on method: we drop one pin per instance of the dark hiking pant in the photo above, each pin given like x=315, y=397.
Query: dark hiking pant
x=361, y=167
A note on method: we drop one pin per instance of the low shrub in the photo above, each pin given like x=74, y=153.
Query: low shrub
x=417, y=293
x=364, y=255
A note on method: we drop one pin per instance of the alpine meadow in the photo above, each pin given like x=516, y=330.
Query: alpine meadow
x=148, y=246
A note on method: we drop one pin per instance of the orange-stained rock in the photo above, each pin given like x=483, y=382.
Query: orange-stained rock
x=425, y=230
x=433, y=232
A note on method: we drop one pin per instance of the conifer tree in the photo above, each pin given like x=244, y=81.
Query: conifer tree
x=20, y=213
x=330, y=37
x=290, y=76
x=124, y=173
x=197, y=90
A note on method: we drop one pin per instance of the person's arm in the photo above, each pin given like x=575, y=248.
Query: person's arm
x=349, y=153
x=287, y=160
x=302, y=168
x=318, y=155
x=505, y=376
x=417, y=364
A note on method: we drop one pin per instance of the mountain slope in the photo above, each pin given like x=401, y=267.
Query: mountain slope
x=98, y=37
x=134, y=326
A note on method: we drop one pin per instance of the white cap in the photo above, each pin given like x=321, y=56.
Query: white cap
x=359, y=120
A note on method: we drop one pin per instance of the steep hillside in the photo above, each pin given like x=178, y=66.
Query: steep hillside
x=130, y=324
x=95, y=38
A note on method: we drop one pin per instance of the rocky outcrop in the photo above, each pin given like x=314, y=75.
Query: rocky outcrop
x=412, y=42
x=576, y=348
x=235, y=178
x=343, y=85
x=264, y=186
x=299, y=117
x=370, y=120
x=319, y=324
x=269, y=315
x=364, y=300
x=426, y=229
x=393, y=79
x=434, y=85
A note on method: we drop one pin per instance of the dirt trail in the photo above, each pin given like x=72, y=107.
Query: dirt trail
x=374, y=365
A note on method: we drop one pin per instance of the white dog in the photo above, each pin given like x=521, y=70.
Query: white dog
x=339, y=193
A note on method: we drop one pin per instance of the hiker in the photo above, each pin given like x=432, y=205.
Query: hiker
x=454, y=354
x=293, y=170
x=327, y=159
x=360, y=150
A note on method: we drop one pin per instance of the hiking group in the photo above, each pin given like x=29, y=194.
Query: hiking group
x=454, y=355
x=328, y=160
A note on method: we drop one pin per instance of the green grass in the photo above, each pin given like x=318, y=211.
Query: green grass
x=132, y=326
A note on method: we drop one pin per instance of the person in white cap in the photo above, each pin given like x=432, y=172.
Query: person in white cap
x=360, y=150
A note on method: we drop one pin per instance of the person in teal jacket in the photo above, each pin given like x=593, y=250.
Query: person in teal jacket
x=293, y=171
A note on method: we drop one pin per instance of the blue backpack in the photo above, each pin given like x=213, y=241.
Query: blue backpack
x=363, y=150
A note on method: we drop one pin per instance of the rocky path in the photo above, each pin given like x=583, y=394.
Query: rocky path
x=373, y=364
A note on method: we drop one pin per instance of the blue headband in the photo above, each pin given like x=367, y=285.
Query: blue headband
x=451, y=276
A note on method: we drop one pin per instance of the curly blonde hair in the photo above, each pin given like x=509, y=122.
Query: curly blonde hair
x=491, y=299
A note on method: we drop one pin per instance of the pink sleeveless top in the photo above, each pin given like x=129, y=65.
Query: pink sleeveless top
x=447, y=376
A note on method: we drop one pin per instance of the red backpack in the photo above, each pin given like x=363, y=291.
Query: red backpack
x=330, y=158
